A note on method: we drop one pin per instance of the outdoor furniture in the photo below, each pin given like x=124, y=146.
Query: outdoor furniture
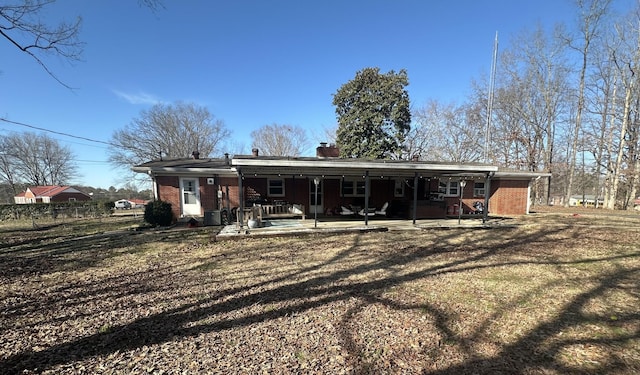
x=478, y=208
x=383, y=210
x=281, y=211
x=346, y=212
x=371, y=212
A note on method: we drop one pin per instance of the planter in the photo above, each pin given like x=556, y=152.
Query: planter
x=253, y=223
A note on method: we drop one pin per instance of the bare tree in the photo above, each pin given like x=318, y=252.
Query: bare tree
x=445, y=132
x=21, y=25
x=626, y=58
x=591, y=17
x=167, y=131
x=280, y=140
x=7, y=165
x=36, y=159
x=425, y=138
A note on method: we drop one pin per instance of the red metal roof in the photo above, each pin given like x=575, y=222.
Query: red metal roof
x=47, y=190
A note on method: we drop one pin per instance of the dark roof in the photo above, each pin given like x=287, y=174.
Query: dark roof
x=319, y=166
x=186, y=163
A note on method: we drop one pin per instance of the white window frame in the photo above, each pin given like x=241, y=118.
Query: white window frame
x=270, y=187
x=449, y=188
x=398, y=190
x=478, y=191
x=351, y=188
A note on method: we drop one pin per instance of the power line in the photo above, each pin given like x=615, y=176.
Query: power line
x=59, y=133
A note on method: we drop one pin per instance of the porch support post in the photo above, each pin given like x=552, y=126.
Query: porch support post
x=240, y=200
x=487, y=192
x=226, y=194
x=415, y=197
x=366, y=198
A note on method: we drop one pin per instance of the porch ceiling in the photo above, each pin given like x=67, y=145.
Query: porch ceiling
x=349, y=168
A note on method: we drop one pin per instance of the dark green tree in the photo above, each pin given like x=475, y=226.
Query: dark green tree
x=373, y=114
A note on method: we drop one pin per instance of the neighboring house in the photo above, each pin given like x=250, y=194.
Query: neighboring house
x=413, y=189
x=585, y=200
x=49, y=194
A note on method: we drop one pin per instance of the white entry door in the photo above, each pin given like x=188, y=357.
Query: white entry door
x=190, y=196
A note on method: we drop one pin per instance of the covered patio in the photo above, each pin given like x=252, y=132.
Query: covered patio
x=332, y=179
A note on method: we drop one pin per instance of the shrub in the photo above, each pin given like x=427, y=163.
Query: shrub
x=158, y=213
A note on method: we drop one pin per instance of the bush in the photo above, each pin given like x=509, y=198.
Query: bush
x=158, y=213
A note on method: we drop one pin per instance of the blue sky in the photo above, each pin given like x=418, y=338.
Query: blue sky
x=250, y=62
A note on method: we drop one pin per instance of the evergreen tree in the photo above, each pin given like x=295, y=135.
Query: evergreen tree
x=373, y=114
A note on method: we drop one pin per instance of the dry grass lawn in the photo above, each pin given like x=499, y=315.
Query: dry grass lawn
x=558, y=293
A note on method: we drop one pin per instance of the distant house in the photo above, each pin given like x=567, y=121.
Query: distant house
x=49, y=194
x=585, y=200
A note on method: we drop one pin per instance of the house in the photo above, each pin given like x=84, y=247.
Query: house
x=51, y=194
x=585, y=200
x=290, y=186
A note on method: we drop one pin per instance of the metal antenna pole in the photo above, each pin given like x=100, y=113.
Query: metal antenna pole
x=492, y=80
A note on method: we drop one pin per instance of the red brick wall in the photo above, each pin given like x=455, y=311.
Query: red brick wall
x=232, y=183
x=509, y=197
x=64, y=197
x=169, y=191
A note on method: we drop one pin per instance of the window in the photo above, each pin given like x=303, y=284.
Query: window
x=449, y=188
x=354, y=188
x=276, y=187
x=478, y=189
x=398, y=190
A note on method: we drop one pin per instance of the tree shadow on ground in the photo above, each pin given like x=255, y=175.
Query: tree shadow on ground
x=307, y=289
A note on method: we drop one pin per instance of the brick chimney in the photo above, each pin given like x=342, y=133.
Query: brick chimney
x=195, y=154
x=255, y=152
x=325, y=151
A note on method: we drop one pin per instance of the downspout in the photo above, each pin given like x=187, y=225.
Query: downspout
x=366, y=198
x=228, y=199
x=415, y=197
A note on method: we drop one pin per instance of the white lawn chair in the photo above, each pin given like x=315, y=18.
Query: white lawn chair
x=383, y=210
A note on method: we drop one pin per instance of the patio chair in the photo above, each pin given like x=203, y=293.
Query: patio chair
x=478, y=208
x=345, y=211
x=383, y=210
x=371, y=212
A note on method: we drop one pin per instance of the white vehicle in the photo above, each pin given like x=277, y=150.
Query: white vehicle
x=122, y=204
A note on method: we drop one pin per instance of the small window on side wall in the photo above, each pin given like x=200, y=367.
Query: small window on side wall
x=449, y=188
x=276, y=187
x=478, y=189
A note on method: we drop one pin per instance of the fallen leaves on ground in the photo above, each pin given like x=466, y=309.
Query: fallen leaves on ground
x=533, y=299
